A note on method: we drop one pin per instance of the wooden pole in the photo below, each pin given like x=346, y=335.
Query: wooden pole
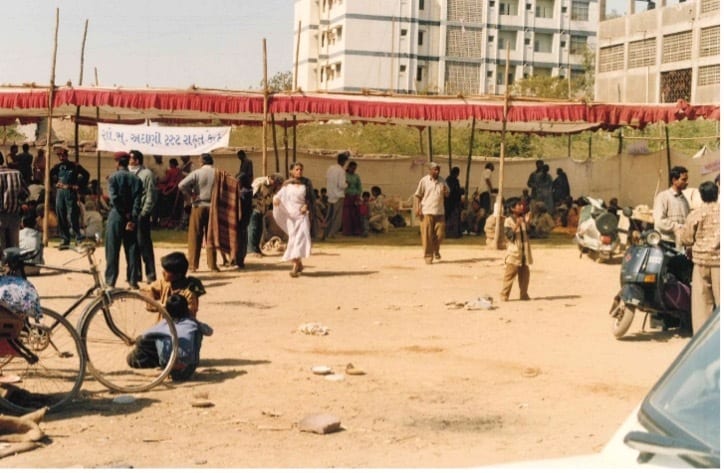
x=470, y=158
x=48, y=144
x=296, y=57
x=498, y=238
x=286, y=146
x=449, y=146
x=668, y=154
x=266, y=111
x=429, y=143
x=274, y=141
x=80, y=82
x=294, y=117
x=98, y=153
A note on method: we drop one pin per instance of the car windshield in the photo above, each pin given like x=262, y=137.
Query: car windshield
x=685, y=402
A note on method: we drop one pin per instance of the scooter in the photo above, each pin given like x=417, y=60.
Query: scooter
x=597, y=233
x=656, y=280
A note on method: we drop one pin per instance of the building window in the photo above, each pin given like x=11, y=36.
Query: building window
x=420, y=38
x=543, y=43
x=564, y=10
x=563, y=44
x=508, y=9
x=642, y=53
x=422, y=4
x=403, y=33
x=489, y=74
x=542, y=71
x=528, y=6
x=579, y=44
x=505, y=38
x=491, y=3
x=709, y=6
x=708, y=75
x=403, y=68
x=491, y=39
x=418, y=76
x=709, y=41
x=579, y=11
x=544, y=9
x=677, y=47
x=527, y=41
x=610, y=58
x=676, y=85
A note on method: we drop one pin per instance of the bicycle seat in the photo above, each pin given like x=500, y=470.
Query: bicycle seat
x=14, y=257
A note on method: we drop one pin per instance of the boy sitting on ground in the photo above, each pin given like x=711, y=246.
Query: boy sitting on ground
x=174, y=281
x=153, y=348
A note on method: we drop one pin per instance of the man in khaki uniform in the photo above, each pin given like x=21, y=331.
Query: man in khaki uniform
x=517, y=255
x=430, y=194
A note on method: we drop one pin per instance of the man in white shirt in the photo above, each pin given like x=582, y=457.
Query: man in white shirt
x=671, y=206
x=336, y=184
x=430, y=194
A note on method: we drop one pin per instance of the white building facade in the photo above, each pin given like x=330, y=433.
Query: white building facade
x=661, y=55
x=438, y=46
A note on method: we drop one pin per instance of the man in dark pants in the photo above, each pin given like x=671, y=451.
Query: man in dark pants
x=263, y=189
x=125, y=191
x=148, y=202
x=67, y=177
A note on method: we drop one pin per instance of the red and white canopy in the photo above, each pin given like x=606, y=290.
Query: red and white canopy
x=120, y=105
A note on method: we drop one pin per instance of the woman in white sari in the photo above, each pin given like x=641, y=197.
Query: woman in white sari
x=291, y=212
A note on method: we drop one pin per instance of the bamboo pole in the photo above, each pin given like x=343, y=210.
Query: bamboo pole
x=286, y=147
x=449, y=149
x=470, y=157
x=266, y=111
x=80, y=82
x=98, y=153
x=294, y=116
x=274, y=141
x=48, y=144
x=498, y=237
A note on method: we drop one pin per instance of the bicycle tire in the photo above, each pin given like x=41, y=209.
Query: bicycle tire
x=55, y=378
x=106, y=352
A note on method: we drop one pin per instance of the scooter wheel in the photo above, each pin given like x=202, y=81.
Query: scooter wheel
x=623, y=316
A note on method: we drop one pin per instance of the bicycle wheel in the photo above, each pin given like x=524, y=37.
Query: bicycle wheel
x=109, y=329
x=54, y=378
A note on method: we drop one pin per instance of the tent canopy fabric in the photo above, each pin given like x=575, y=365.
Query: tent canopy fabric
x=174, y=106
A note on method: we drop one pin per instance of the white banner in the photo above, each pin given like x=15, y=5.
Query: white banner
x=163, y=140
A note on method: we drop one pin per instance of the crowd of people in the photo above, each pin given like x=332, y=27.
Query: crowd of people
x=234, y=215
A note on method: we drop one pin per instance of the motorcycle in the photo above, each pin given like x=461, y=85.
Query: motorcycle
x=656, y=280
x=597, y=233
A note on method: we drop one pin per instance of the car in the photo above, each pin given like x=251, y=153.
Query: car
x=677, y=424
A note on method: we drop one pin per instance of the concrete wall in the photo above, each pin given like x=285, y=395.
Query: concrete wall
x=634, y=179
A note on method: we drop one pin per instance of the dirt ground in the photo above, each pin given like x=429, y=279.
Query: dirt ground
x=443, y=387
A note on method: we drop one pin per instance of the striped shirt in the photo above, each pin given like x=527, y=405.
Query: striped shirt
x=12, y=190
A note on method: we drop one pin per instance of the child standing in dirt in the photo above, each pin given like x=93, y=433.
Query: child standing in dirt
x=517, y=255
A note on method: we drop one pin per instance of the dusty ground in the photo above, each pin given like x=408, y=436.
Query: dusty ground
x=444, y=388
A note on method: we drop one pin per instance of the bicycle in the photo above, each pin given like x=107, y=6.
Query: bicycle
x=42, y=363
x=109, y=326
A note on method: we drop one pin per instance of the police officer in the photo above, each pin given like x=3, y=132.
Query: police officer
x=125, y=191
x=68, y=178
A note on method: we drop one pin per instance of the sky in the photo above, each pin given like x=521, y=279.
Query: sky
x=154, y=43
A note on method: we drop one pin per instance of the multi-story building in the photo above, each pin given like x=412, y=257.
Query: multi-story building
x=661, y=55
x=439, y=46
